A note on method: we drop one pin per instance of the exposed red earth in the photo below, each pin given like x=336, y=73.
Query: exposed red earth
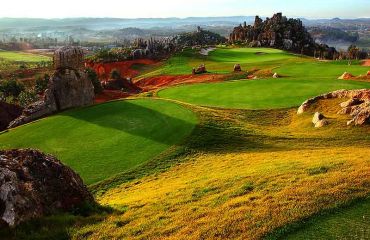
x=125, y=68
x=109, y=95
x=366, y=63
x=153, y=83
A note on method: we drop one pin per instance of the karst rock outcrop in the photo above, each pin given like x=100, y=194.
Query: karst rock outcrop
x=33, y=184
x=356, y=104
x=69, y=87
x=278, y=32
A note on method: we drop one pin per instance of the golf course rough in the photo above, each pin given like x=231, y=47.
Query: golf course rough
x=103, y=140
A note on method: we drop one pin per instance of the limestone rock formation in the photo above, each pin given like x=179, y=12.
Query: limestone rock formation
x=8, y=112
x=278, y=32
x=201, y=69
x=319, y=120
x=33, y=184
x=317, y=117
x=276, y=75
x=69, y=87
x=358, y=105
x=345, y=76
x=237, y=68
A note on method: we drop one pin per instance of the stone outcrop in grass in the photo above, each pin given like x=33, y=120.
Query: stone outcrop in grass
x=200, y=70
x=237, y=68
x=319, y=120
x=358, y=105
x=345, y=76
x=69, y=87
x=33, y=184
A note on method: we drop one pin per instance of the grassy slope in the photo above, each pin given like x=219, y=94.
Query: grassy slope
x=241, y=174
x=220, y=61
x=303, y=78
x=347, y=223
x=22, y=57
x=101, y=141
x=248, y=172
x=257, y=94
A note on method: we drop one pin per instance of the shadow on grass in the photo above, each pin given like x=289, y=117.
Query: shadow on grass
x=58, y=226
x=133, y=119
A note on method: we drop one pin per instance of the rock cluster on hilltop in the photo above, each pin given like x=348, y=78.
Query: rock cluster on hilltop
x=199, y=38
x=69, y=87
x=33, y=184
x=8, y=112
x=277, y=32
x=358, y=105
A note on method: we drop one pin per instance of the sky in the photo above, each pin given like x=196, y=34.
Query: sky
x=183, y=8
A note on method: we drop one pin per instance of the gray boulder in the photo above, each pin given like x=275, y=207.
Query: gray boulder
x=33, y=184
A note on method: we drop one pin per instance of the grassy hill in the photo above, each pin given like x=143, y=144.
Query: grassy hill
x=253, y=169
x=104, y=140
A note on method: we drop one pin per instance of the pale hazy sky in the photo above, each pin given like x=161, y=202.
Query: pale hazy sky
x=183, y=8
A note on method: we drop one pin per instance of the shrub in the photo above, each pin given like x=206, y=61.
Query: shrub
x=11, y=88
x=91, y=74
x=115, y=74
x=27, y=97
x=42, y=83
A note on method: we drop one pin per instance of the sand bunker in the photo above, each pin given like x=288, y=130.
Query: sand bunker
x=206, y=51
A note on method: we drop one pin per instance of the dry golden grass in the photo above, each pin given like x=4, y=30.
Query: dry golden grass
x=273, y=169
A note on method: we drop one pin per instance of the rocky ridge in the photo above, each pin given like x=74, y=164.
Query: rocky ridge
x=357, y=104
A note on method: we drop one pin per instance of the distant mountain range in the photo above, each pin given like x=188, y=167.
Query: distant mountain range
x=118, y=30
x=148, y=23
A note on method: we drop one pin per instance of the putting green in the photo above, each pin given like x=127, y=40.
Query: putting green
x=257, y=94
x=101, y=141
x=222, y=60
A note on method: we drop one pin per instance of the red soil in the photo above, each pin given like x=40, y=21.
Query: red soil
x=104, y=69
x=366, y=63
x=153, y=83
x=109, y=95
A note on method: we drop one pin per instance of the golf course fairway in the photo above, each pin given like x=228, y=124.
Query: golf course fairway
x=103, y=140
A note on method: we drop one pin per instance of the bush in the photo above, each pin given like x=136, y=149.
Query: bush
x=11, y=88
x=27, y=97
x=115, y=74
x=42, y=83
x=91, y=74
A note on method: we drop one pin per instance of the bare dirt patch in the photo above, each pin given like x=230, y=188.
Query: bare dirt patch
x=125, y=68
x=109, y=95
x=366, y=63
x=157, y=82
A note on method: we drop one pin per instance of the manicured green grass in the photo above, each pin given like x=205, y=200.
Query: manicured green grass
x=222, y=60
x=347, y=223
x=257, y=94
x=15, y=56
x=302, y=78
x=101, y=141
